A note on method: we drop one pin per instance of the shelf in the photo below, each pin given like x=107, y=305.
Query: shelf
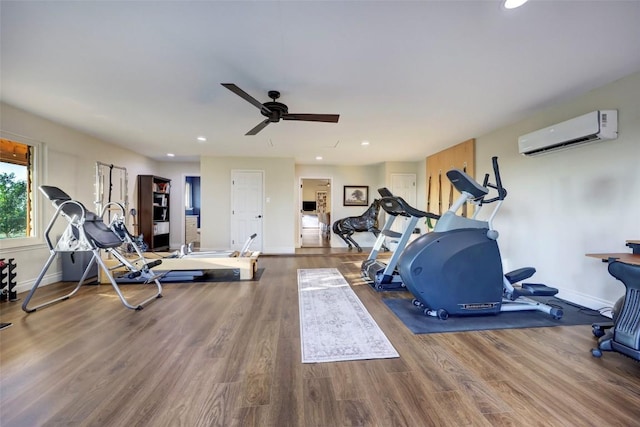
x=154, y=213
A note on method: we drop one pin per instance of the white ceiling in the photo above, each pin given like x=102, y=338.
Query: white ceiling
x=410, y=77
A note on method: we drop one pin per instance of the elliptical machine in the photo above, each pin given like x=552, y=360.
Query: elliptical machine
x=457, y=268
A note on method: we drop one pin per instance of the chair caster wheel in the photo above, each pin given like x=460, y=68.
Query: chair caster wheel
x=442, y=314
x=597, y=331
x=596, y=352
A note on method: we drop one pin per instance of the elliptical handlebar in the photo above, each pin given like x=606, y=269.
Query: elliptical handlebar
x=502, y=192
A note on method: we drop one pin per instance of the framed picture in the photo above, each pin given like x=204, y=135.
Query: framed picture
x=356, y=195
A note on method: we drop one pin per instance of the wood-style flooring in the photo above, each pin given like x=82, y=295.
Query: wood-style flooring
x=228, y=354
x=315, y=238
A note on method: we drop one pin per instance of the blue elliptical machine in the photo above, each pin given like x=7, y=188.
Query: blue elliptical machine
x=457, y=268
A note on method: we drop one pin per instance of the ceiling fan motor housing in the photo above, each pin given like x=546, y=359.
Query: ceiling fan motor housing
x=276, y=110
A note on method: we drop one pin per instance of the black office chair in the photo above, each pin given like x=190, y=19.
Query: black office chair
x=624, y=337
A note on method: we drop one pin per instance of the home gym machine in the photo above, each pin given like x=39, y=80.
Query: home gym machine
x=457, y=269
x=87, y=232
x=188, y=266
x=384, y=276
x=624, y=335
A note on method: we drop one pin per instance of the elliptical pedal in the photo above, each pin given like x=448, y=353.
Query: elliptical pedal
x=538, y=290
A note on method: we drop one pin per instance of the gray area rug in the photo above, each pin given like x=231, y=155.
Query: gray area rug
x=418, y=323
x=334, y=324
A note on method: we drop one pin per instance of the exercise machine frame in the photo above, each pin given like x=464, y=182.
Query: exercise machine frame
x=186, y=265
x=384, y=276
x=457, y=268
x=87, y=232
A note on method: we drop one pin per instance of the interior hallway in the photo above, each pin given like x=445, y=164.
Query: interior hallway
x=314, y=233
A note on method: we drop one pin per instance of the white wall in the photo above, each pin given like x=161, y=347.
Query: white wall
x=69, y=163
x=280, y=193
x=563, y=205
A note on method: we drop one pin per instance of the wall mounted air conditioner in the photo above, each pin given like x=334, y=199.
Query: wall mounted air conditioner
x=591, y=127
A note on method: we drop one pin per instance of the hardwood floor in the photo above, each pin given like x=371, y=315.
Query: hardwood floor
x=315, y=238
x=228, y=354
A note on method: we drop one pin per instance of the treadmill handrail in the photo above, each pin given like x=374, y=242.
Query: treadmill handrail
x=398, y=206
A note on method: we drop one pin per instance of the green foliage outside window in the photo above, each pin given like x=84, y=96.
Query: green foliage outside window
x=13, y=206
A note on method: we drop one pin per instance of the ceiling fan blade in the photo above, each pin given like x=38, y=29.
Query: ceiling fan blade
x=258, y=128
x=327, y=118
x=244, y=95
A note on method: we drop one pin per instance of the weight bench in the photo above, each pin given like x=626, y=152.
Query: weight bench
x=87, y=232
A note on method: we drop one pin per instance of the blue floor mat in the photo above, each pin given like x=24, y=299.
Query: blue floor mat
x=418, y=323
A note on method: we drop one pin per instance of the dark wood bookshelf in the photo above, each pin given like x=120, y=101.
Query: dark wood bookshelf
x=153, y=211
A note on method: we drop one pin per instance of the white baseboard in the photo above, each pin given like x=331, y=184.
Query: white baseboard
x=585, y=300
x=48, y=279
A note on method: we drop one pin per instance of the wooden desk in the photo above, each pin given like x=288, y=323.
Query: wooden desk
x=622, y=257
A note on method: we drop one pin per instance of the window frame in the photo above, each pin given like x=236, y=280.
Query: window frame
x=36, y=213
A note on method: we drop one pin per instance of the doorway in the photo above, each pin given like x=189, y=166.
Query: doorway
x=315, y=212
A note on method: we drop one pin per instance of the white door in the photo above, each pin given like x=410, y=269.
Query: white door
x=246, y=208
x=403, y=185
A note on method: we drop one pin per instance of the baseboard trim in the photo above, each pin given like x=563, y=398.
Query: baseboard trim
x=48, y=279
x=586, y=300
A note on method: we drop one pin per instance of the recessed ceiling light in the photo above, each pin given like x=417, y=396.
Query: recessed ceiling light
x=318, y=157
x=170, y=155
x=201, y=138
x=364, y=143
x=512, y=4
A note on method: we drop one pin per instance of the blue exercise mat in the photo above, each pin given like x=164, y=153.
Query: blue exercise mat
x=418, y=323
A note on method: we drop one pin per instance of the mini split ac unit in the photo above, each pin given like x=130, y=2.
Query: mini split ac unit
x=592, y=127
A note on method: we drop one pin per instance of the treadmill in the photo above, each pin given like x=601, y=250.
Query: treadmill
x=384, y=276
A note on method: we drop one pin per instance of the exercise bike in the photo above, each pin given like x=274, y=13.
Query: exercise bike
x=457, y=269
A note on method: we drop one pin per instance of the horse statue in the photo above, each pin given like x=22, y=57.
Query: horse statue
x=368, y=221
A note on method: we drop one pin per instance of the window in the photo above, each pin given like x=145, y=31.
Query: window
x=17, y=183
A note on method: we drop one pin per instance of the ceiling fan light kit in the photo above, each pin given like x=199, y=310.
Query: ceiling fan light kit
x=275, y=111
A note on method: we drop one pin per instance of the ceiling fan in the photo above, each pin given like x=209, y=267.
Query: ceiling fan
x=274, y=110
